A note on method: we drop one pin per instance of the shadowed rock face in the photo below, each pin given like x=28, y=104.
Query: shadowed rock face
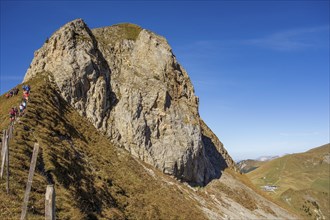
x=128, y=83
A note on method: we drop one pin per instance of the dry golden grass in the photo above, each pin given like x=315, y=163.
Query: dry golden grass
x=93, y=179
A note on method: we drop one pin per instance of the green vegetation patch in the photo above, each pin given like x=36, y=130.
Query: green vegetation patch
x=117, y=33
x=128, y=31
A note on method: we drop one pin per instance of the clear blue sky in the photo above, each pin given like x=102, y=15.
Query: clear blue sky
x=260, y=68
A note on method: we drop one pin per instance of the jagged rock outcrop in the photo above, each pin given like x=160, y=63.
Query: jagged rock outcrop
x=128, y=83
x=78, y=68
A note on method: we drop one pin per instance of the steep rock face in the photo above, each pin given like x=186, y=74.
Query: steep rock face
x=78, y=67
x=128, y=83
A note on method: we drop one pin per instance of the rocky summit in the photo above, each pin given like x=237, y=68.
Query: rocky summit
x=130, y=86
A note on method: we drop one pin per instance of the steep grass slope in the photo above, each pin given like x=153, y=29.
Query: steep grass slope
x=93, y=179
x=303, y=181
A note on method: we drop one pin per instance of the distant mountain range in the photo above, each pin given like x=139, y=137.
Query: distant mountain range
x=248, y=165
x=301, y=181
x=267, y=158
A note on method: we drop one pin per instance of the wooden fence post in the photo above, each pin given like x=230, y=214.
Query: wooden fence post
x=4, y=154
x=50, y=203
x=30, y=178
x=7, y=164
x=4, y=134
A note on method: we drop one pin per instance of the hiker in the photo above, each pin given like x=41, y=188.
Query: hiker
x=23, y=103
x=16, y=111
x=21, y=109
x=26, y=88
x=15, y=92
x=12, y=114
x=9, y=94
x=26, y=95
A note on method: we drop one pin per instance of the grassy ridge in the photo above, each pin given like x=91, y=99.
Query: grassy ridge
x=93, y=179
x=303, y=180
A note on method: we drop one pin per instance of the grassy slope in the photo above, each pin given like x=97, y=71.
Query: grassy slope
x=93, y=179
x=302, y=178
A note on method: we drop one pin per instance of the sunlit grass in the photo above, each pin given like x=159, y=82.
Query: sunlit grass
x=93, y=178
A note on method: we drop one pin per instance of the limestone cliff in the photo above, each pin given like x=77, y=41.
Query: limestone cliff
x=128, y=83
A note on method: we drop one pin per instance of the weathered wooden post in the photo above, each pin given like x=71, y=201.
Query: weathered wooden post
x=4, y=154
x=30, y=178
x=50, y=203
x=4, y=134
x=7, y=164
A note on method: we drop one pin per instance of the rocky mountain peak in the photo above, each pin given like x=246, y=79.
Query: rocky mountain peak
x=78, y=68
x=128, y=83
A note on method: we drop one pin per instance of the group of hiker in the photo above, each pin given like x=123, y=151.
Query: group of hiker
x=15, y=112
x=12, y=92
